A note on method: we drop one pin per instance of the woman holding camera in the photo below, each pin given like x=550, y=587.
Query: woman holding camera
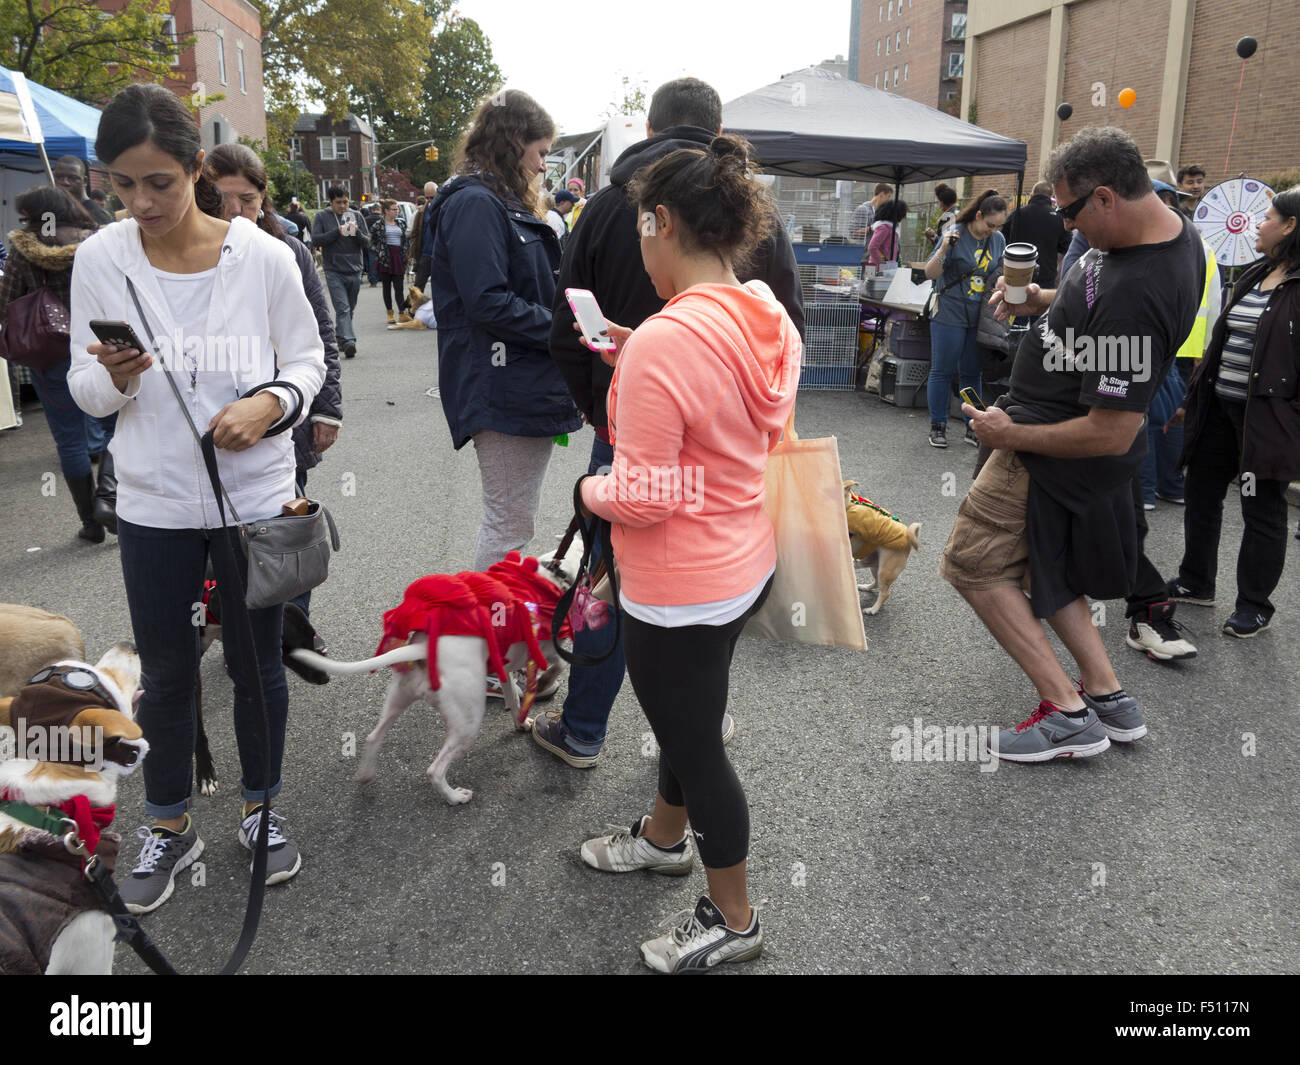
x=226, y=307
x=968, y=253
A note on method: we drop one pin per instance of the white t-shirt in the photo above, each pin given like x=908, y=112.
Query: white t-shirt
x=188, y=296
x=557, y=223
x=716, y=613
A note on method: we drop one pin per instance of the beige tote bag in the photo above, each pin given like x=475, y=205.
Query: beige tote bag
x=814, y=597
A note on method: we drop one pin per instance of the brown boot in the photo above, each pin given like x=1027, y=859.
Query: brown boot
x=391, y=319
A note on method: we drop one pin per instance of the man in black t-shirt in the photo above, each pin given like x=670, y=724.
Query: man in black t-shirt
x=1052, y=508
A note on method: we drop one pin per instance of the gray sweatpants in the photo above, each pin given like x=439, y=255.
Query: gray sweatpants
x=512, y=468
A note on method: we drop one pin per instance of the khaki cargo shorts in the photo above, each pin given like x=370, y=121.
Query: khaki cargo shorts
x=989, y=544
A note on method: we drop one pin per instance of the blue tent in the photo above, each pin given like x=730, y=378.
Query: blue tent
x=69, y=126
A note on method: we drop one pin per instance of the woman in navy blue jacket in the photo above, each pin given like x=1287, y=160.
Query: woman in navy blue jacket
x=494, y=263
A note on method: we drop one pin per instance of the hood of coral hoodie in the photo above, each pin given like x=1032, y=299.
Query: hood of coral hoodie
x=749, y=331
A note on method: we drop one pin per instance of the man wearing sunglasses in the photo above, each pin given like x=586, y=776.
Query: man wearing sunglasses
x=1052, y=508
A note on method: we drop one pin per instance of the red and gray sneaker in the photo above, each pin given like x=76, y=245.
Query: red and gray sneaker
x=1155, y=632
x=1119, y=714
x=1049, y=733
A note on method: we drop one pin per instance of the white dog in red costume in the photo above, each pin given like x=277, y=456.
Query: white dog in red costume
x=498, y=621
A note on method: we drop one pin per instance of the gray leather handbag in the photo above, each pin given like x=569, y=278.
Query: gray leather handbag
x=287, y=554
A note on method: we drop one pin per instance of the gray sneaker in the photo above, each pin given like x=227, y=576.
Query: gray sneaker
x=700, y=940
x=164, y=854
x=626, y=852
x=1049, y=734
x=282, y=857
x=1119, y=715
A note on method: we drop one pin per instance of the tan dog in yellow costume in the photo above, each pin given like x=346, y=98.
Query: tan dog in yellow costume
x=880, y=542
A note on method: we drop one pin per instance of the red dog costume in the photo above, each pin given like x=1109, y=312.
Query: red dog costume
x=511, y=603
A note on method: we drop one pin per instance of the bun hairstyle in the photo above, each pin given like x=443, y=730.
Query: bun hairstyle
x=493, y=148
x=149, y=113
x=713, y=194
x=239, y=160
x=987, y=202
x=945, y=194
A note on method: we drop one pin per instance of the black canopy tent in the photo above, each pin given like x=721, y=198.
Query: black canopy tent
x=814, y=123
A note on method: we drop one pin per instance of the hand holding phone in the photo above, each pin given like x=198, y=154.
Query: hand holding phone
x=591, y=322
x=969, y=395
x=119, y=350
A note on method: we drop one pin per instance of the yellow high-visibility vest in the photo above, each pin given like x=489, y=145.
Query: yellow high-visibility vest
x=1211, y=303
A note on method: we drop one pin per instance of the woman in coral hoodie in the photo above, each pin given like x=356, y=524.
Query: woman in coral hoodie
x=701, y=394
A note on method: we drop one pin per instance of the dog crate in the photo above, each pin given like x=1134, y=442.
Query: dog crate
x=830, y=347
x=909, y=338
x=903, y=381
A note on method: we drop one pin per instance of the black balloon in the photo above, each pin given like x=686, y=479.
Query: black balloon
x=1064, y=111
x=1246, y=47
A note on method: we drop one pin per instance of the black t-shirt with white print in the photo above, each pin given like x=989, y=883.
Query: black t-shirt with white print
x=1110, y=335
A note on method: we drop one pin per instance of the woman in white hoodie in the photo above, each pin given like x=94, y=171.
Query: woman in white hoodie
x=225, y=305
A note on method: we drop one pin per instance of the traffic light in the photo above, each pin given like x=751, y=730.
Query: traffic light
x=431, y=153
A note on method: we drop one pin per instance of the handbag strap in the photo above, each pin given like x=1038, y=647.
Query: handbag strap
x=598, y=527
x=234, y=607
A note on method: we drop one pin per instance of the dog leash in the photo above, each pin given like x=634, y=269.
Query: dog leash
x=597, y=528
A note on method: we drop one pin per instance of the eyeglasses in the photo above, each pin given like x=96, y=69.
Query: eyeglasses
x=1071, y=212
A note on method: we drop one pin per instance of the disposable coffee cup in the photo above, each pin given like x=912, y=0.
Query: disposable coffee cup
x=1018, y=264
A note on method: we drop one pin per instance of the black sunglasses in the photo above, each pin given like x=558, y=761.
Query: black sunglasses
x=1071, y=212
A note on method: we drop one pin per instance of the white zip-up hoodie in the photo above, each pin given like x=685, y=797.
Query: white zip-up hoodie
x=260, y=310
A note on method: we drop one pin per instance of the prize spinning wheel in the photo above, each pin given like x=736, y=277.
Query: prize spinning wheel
x=1228, y=218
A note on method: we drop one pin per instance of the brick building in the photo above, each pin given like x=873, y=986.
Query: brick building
x=912, y=48
x=336, y=152
x=225, y=58
x=1178, y=57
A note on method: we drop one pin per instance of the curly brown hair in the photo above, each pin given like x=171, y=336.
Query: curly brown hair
x=713, y=193
x=493, y=148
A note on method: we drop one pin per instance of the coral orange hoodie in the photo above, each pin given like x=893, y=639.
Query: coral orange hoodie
x=700, y=396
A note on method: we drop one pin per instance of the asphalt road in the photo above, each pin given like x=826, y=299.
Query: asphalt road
x=1176, y=854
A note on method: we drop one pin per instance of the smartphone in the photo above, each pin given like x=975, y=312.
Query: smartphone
x=969, y=395
x=118, y=334
x=590, y=320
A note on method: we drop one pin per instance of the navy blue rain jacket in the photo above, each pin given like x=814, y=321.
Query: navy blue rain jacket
x=492, y=278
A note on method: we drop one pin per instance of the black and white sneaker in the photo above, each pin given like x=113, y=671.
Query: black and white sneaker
x=938, y=435
x=1245, y=624
x=1180, y=593
x=627, y=852
x=700, y=940
x=971, y=438
x=282, y=858
x=1157, y=634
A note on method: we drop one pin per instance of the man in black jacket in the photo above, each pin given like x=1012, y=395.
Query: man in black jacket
x=1038, y=223
x=604, y=255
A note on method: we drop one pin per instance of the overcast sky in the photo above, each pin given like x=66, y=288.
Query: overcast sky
x=572, y=61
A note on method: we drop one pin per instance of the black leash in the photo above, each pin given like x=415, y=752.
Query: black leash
x=598, y=527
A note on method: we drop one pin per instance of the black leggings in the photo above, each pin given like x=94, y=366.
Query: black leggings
x=393, y=286
x=680, y=677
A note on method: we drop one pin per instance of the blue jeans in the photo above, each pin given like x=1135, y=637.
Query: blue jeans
x=593, y=689
x=1159, y=471
x=76, y=434
x=953, y=349
x=164, y=570
x=344, y=289
x=372, y=267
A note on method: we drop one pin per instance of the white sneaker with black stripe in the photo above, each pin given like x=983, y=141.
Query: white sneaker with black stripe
x=701, y=940
x=626, y=852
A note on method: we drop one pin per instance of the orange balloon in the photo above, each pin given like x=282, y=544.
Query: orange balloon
x=1127, y=98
